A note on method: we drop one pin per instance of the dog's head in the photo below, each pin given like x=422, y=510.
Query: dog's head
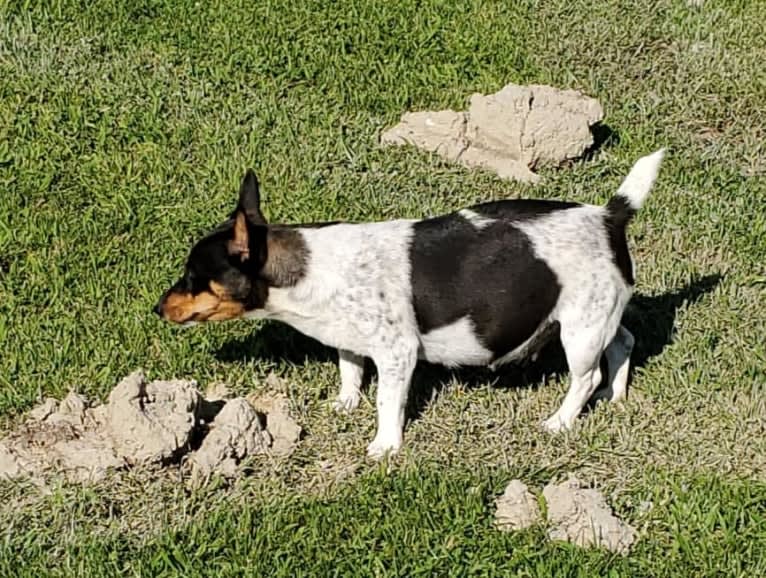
x=225, y=275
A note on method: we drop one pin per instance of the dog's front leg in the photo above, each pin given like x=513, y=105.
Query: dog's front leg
x=351, y=368
x=395, y=369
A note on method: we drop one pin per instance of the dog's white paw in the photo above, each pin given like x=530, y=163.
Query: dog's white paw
x=346, y=403
x=380, y=448
x=556, y=424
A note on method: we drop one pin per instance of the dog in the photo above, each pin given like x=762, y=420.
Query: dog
x=486, y=285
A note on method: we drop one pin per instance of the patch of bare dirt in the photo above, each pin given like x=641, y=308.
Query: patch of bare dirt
x=142, y=423
x=235, y=433
x=278, y=421
x=511, y=132
x=575, y=514
x=582, y=516
x=517, y=508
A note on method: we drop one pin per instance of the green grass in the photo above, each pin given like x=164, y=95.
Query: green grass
x=124, y=129
x=417, y=524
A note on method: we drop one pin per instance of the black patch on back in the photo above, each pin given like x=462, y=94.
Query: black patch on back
x=315, y=225
x=490, y=274
x=618, y=215
x=521, y=209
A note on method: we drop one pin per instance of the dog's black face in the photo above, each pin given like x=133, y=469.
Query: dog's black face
x=222, y=275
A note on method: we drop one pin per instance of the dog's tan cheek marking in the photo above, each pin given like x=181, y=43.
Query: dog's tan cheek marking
x=175, y=306
x=219, y=290
x=181, y=307
x=227, y=308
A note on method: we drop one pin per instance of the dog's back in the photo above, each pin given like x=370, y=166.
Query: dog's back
x=483, y=285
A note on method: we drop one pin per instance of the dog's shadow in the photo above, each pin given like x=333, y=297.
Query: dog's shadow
x=651, y=320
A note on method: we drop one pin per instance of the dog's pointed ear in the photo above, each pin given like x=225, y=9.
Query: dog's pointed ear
x=239, y=244
x=250, y=199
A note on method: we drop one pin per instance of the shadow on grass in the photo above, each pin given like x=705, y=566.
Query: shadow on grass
x=276, y=342
x=651, y=319
x=603, y=136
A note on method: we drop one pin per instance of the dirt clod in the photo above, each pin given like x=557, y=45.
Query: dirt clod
x=235, y=433
x=144, y=423
x=517, y=508
x=582, y=516
x=282, y=427
x=150, y=423
x=511, y=132
x=46, y=408
x=71, y=410
x=40, y=447
x=575, y=514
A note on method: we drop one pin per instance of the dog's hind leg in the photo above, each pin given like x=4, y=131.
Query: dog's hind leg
x=583, y=351
x=618, y=360
x=351, y=368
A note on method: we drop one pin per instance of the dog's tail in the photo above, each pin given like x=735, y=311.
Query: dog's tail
x=634, y=189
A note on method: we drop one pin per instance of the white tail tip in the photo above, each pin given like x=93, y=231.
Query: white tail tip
x=640, y=179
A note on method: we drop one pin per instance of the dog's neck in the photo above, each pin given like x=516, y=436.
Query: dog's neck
x=286, y=257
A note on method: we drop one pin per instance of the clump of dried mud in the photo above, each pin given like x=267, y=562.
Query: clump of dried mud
x=511, y=132
x=161, y=422
x=581, y=515
x=575, y=514
x=517, y=508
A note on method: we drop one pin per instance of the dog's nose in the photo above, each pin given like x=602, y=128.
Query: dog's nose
x=157, y=309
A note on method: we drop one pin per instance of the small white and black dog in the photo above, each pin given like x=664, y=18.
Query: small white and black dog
x=483, y=286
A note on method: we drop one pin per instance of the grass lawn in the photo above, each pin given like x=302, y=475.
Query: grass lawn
x=124, y=130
